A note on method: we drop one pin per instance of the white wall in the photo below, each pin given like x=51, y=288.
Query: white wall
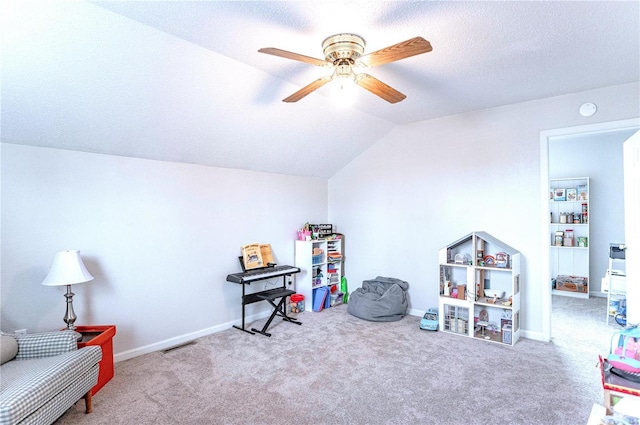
x=159, y=238
x=427, y=184
x=599, y=157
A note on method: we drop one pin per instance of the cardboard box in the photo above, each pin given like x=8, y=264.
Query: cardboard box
x=572, y=283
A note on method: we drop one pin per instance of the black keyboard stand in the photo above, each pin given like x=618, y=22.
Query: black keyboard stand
x=277, y=309
x=276, y=297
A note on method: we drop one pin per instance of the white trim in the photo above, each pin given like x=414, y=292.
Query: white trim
x=417, y=313
x=181, y=339
x=631, y=153
x=603, y=127
x=535, y=336
x=544, y=242
x=544, y=204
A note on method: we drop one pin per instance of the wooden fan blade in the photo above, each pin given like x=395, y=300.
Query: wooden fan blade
x=379, y=88
x=307, y=89
x=293, y=56
x=405, y=49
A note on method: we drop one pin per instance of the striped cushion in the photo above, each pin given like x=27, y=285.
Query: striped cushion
x=26, y=385
x=44, y=344
x=59, y=404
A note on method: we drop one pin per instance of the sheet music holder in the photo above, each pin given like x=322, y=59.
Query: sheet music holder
x=244, y=269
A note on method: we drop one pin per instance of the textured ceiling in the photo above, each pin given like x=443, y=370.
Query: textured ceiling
x=183, y=81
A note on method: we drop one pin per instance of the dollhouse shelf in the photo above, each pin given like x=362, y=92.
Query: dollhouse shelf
x=473, y=264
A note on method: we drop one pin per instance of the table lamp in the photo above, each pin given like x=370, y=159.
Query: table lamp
x=68, y=269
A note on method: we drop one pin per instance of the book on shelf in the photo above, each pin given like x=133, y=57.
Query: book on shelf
x=582, y=192
x=559, y=194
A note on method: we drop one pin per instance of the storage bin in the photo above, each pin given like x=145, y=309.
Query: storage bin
x=316, y=256
x=297, y=303
x=572, y=283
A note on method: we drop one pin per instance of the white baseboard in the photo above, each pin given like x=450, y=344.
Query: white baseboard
x=182, y=339
x=414, y=312
x=536, y=336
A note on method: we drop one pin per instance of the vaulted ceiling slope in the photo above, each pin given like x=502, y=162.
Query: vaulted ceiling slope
x=183, y=80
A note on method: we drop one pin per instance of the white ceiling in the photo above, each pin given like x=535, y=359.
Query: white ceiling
x=183, y=81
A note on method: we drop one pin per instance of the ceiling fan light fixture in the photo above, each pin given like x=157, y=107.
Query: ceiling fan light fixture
x=344, y=90
x=345, y=51
x=343, y=46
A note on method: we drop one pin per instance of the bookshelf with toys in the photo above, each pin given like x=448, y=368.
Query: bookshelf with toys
x=321, y=263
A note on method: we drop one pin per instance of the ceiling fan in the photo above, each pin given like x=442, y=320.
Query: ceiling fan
x=344, y=53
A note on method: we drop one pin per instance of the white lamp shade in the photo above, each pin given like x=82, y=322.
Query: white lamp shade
x=67, y=269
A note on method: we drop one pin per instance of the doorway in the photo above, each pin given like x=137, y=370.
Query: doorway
x=622, y=129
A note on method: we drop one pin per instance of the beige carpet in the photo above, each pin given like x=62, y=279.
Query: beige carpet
x=338, y=369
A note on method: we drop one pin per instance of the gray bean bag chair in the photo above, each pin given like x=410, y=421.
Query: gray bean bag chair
x=383, y=299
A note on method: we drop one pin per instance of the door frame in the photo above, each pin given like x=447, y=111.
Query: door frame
x=633, y=123
x=631, y=150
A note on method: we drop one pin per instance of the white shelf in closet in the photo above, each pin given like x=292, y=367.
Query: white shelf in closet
x=570, y=264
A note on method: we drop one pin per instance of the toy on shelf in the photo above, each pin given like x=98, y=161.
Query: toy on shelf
x=502, y=260
x=489, y=260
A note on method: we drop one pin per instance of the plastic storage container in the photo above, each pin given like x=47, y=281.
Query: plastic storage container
x=297, y=303
x=568, y=238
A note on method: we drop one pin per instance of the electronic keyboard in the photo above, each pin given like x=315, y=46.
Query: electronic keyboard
x=262, y=273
